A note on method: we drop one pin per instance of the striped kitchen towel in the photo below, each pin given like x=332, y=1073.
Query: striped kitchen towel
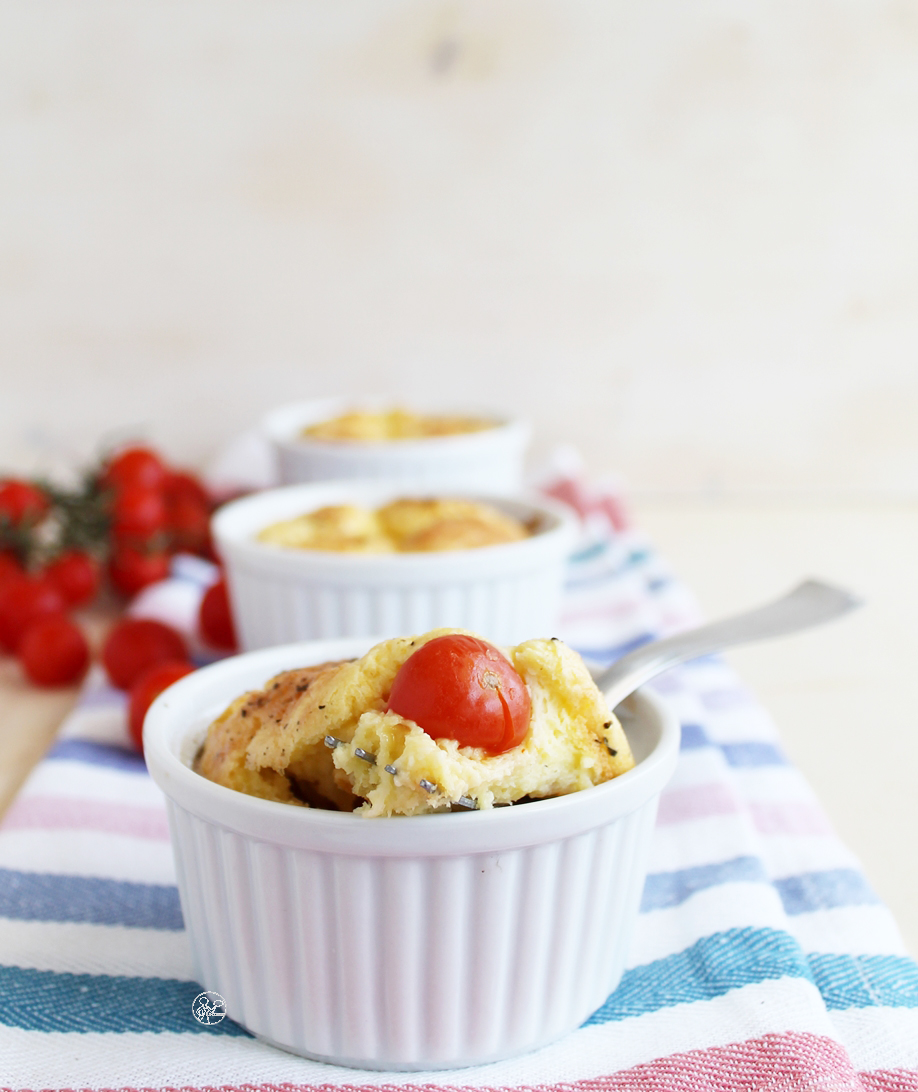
x=762, y=959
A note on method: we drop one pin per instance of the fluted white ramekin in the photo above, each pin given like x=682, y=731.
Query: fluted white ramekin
x=428, y=942
x=511, y=591
x=490, y=459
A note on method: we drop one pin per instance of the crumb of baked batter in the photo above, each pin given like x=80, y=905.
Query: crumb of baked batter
x=306, y=778
x=407, y=525
x=362, y=426
x=381, y=764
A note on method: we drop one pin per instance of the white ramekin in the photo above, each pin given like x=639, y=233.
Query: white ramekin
x=429, y=942
x=511, y=591
x=491, y=459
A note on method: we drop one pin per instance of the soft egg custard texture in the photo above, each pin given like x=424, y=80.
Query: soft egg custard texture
x=271, y=743
x=363, y=426
x=406, y=525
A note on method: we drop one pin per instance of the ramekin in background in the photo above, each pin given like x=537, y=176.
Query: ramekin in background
x=490, y=459
x=511, y=591
x=405, y=943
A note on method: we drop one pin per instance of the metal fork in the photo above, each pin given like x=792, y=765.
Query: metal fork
x=809, y=604
x=428, y=786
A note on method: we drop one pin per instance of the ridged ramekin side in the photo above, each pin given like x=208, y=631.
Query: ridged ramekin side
x=497, y=468
x=411, y=962
x=276, y=608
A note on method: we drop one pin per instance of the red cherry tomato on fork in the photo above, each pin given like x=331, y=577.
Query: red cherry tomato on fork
x=460, y=687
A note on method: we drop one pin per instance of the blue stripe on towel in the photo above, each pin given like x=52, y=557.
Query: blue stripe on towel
x=34, y=896
x=860, y=981
x=799, y=894
x=603, y=575
x=740, y=755
x=694, y=737
x=98, y=754
x=52, y=1001
x=729, y=960
x=753, y=753
x=39, y=896
x=590, y=553
x=710, y=968
x=665, y=889
x=824, y=890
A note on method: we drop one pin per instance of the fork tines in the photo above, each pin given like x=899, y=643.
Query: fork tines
x=468, y=803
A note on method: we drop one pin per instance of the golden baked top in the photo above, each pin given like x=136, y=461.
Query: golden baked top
x=326, y=736
x=385, y=426
x=404, y=526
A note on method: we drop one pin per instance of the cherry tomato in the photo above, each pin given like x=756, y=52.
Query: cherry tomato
x=180, y=485
x=135, y=645
x=462, y=688
x=24, y=600
x=149, y=685
x=76, y=577
x=131, y=569
x=53, y=651
x=215, y=618
x=21, y=503
x=138, y=512
x=209, y=551
x=10, y=569
x=189, y=523
x=135, y=466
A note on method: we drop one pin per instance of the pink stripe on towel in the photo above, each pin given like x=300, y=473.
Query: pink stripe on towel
x=67, y=813
x=696, y=802
x=789, y=817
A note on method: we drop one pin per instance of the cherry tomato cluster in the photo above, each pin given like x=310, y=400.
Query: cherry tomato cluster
x=56, y=548
x=34, y=616
x=154, y=512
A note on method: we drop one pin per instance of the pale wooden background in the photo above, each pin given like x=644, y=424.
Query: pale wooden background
x=684, y=234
